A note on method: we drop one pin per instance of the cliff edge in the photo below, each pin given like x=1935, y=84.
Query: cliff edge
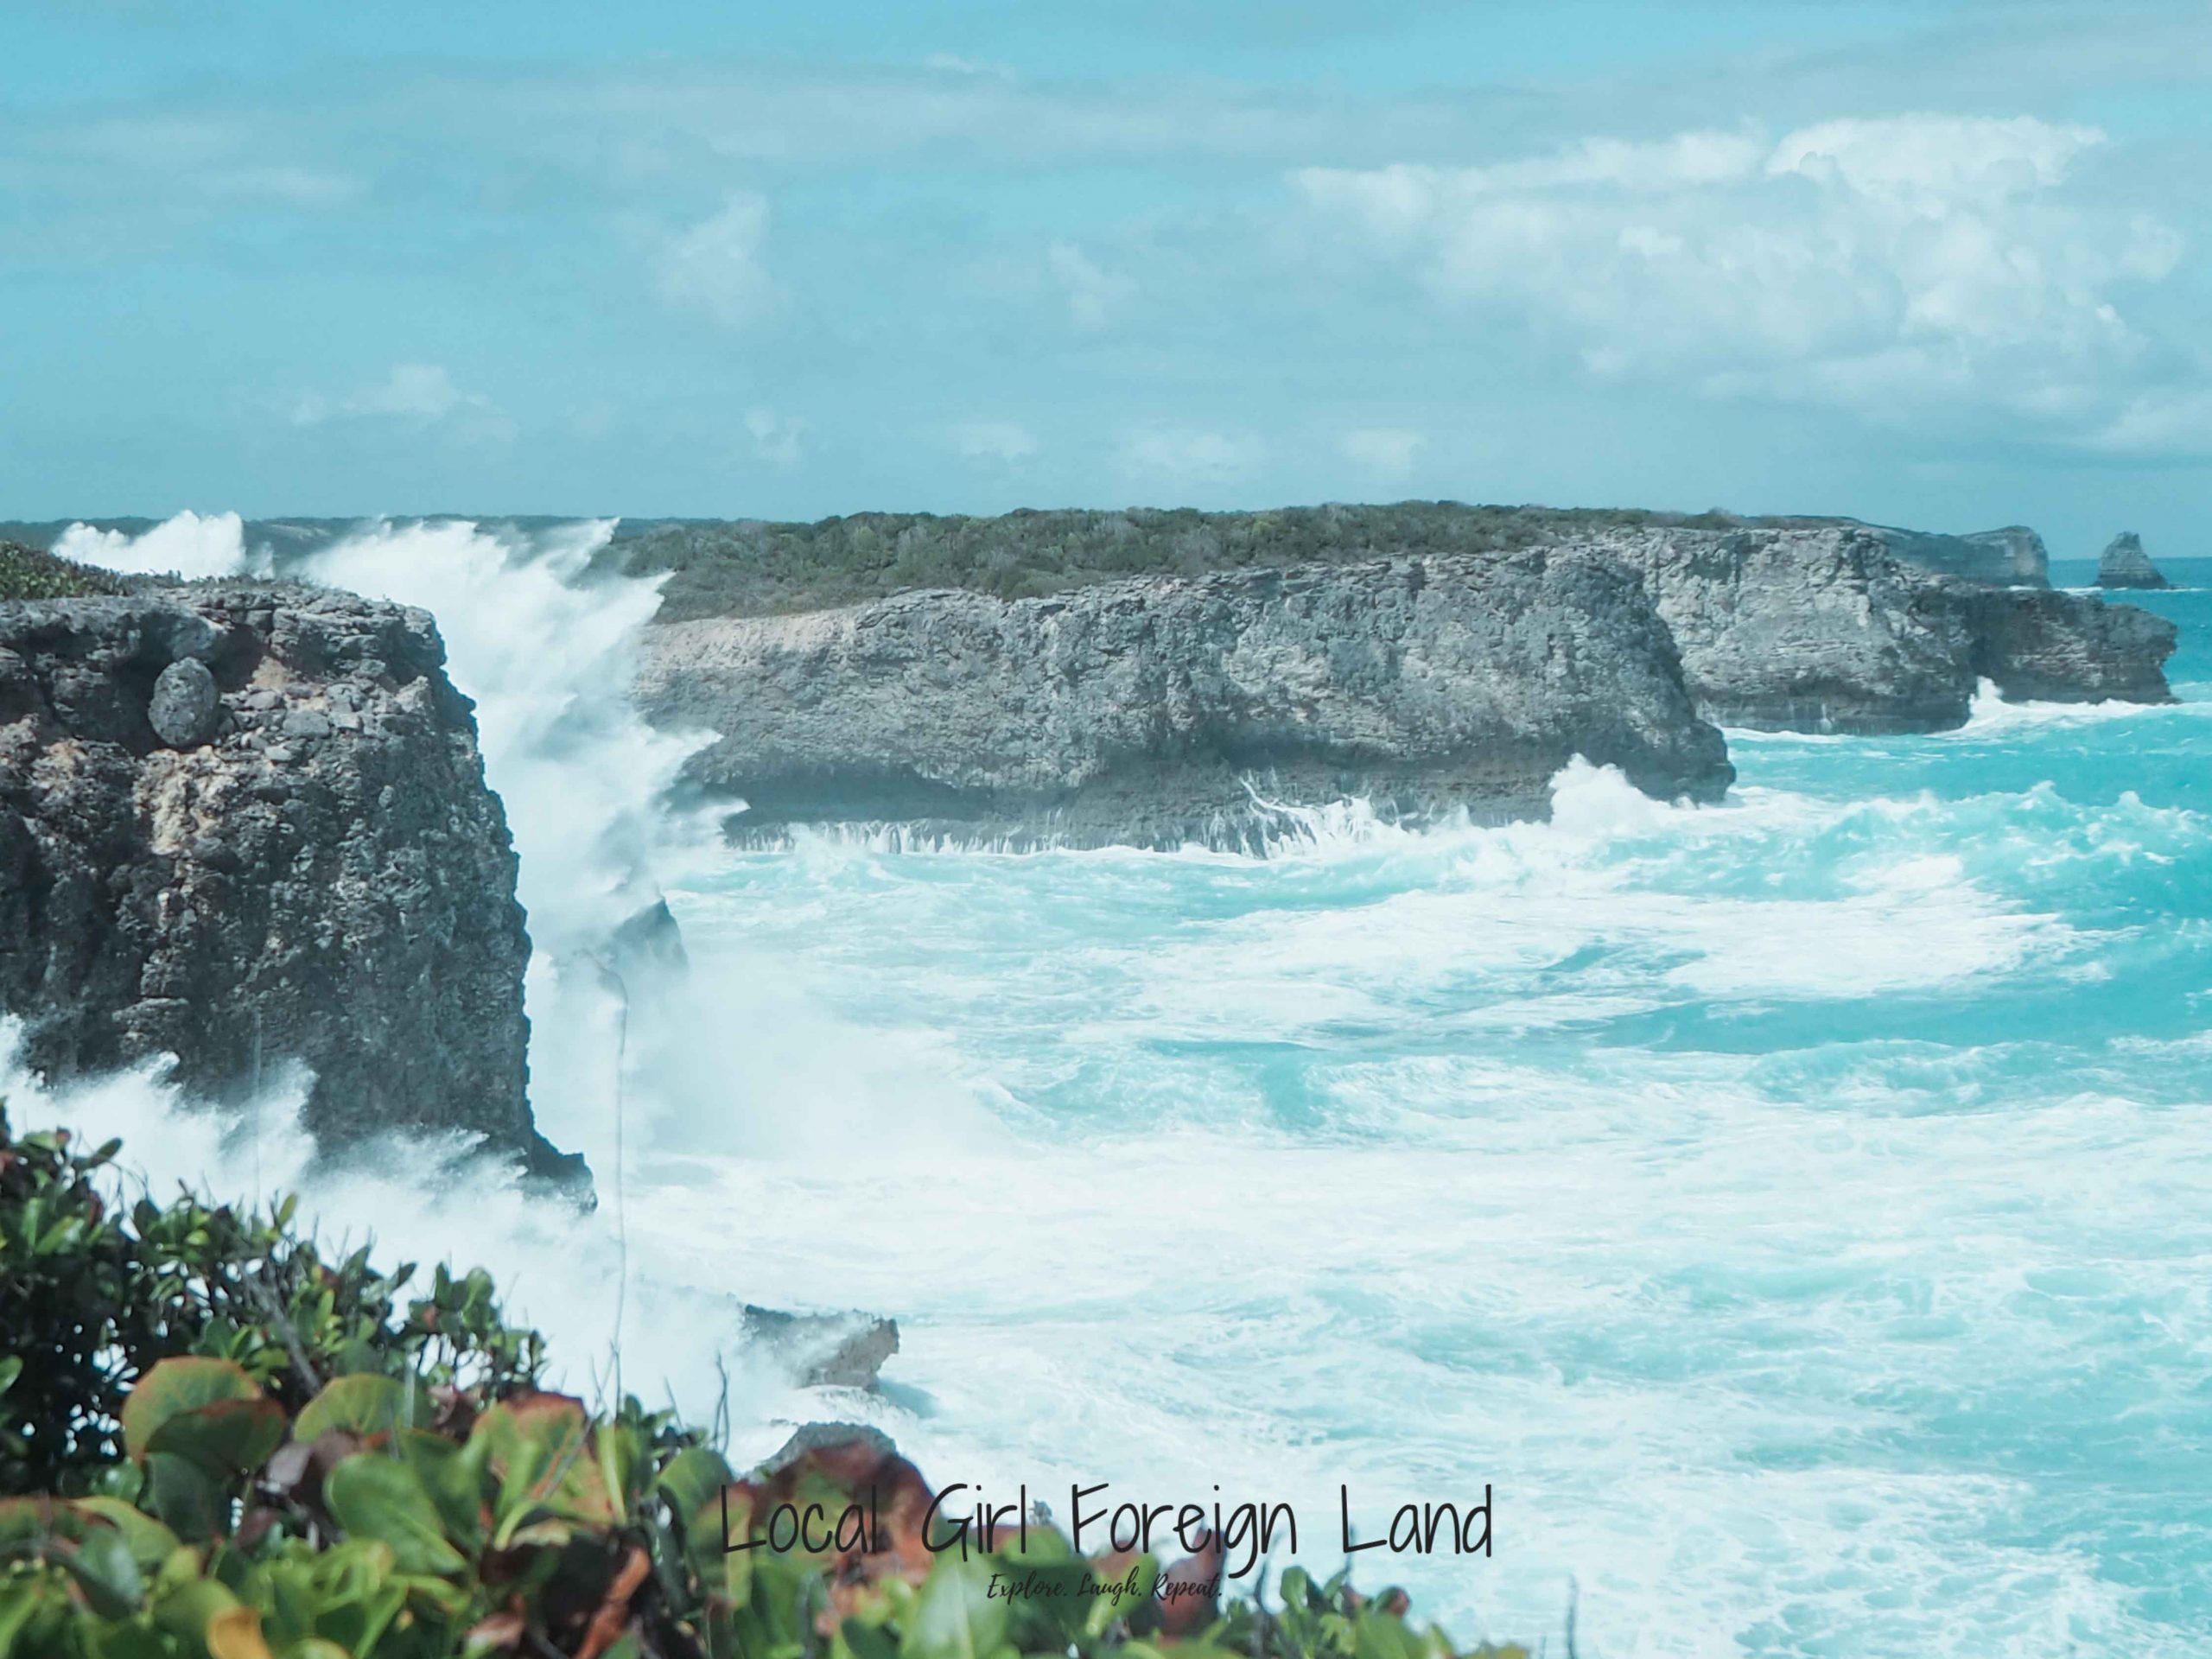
x=245, y=824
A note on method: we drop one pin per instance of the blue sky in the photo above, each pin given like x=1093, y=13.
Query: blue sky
x=1937, y=264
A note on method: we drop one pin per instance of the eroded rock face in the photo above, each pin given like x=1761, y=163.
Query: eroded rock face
x=1806, y=630
x=2124, y=564
x=245, y=825
x=1138, y=710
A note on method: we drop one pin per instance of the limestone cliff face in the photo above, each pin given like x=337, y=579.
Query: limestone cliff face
x=2124, y=564
x=1138, y=710
x=1826, y=630
x=245, y=825
x=2014, y=557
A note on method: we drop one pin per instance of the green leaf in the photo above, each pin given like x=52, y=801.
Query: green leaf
x=185, y=1496
x=693, y=1476
x=101, y=1564
x=955, y=1617
x=10, y=1369
x=359, y=1405
x=377, y=1497
x=177, y=1386
x=151, y=1543
x=228, y=1437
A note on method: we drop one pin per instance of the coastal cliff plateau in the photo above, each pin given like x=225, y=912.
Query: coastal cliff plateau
x=1138, y=710
x=1141, y=709
x=248, y=825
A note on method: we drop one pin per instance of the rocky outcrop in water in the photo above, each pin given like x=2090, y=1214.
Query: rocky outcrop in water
x=245, y=825
x=1826, y=631
x=2124, y=564
x=1138, y=710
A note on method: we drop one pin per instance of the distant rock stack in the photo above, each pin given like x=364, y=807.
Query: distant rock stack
x=2124, y=564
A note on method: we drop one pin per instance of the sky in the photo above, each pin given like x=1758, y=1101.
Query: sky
x=1945, y=264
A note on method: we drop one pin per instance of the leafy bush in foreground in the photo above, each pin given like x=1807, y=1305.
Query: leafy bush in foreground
x=216, y=1445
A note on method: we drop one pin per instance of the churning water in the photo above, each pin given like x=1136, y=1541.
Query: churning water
x=1798, y=1212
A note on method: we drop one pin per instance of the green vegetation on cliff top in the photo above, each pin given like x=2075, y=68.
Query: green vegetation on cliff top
x=26, y=573
x=726, y=567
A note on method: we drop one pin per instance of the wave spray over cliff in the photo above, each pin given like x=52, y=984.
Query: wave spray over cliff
x=1796, y=1208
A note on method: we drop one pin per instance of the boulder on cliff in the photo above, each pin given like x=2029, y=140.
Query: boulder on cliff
x=2124, y=564
x=247, y=824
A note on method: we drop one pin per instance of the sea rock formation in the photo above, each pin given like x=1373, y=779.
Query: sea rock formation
x=2014, y=557
x=248, y=825
x=2124, y=564
x=1825, y=630
x=1138, y=710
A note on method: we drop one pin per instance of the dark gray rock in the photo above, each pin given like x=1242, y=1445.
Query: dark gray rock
x=184, y=708
x=1150, y=709
x=2055, y=647
x=839, y=1350
x=351, y=905
x=2124, y=564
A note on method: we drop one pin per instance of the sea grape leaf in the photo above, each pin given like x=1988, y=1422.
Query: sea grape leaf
x=364, y=1405
x=377, y=1497
x=176, y=1386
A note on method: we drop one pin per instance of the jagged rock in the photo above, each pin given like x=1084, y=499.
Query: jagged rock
x=184, y=708
x=2055, y=647
x=1137, y=711
x=842, y=1350
x=344, y=899
x=2124, y=564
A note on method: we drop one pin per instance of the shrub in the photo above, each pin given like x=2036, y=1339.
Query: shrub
x=26, y=573
x=222, y=1447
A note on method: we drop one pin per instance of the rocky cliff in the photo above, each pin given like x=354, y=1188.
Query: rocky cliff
x=246, y=826
x=1138, y=710
x=2014, y=557
x=1825, y=630
x=2124, y=564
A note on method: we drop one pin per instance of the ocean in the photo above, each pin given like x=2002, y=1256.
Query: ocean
x=1794, y=1215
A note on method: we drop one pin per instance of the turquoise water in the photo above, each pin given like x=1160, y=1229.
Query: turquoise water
x=1799, y=1212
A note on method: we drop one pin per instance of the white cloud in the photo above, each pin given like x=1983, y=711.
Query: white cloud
x=716, y=266
x=2164, y=423
x=1879, y=264
x=779, y=440
x=1004, y=441
x=1093, y=294
x=418, y=394
x=1190, y=456
x=1386, y=453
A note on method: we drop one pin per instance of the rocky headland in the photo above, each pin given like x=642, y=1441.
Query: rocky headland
x=248, y=825
x=1152, y=710
x=2124, y=564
